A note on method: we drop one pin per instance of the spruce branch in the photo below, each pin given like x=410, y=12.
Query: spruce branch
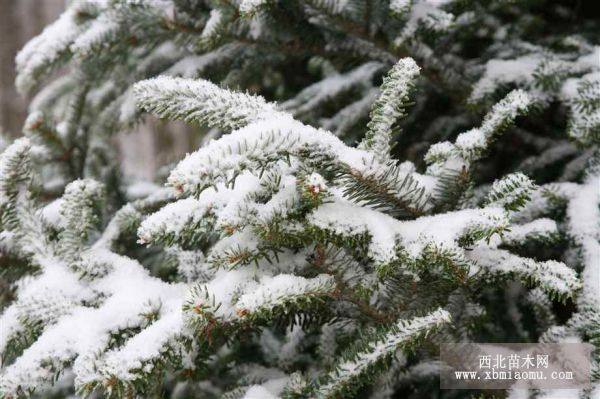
x=283, y=260
x=370, y=356
x=249, y=8
x=15, y=171
x=200, y=102
x=555, y=278
x=80, y=208
x=390, y=105
x=511, y=192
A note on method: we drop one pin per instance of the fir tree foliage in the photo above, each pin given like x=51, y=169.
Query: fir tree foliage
x=306, y=249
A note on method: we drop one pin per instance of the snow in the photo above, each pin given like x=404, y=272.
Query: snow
x=172, y=219
x=268, y=390
x=583, y=212
x=348, y=370
x=243, y=241
x=349, y=220
x=241, y=149
x=149, y=343
x=589, y=61
x=523, y=72
x=540, y=202
x=51, y=294
x=568, y=89
x=248, y=288
x=332, y=86
x=258, y=392
x=10, y=325
x=388, y=235
x=101, y=30
x=542, y=227
x=141, y=189
x=439, y=151
x=470, y=146
x=551, y=275
x=11, y=157
x=316, y=183
x=224, y=286
x=200, y=101
x=430, y=15
x=499, y=72
x=515, y=102
x=215, y=20
x=426, y=13
x=273, y=291
x=282, y=202
x=51, y=213
x=228, y=203
x=400, y=6
x=388, y=108
x=221, y=202
x=251, y=6
x=474, y=138
x=350, y=115
x=191, y=265
x=193, y=66
x=79, y=335
x=46, y=49
x=576, y=91
x=583, y=216
x=240, y=181
x=509, y=189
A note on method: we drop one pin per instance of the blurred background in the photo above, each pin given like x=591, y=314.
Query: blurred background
x=20, y=20
x=152, y=145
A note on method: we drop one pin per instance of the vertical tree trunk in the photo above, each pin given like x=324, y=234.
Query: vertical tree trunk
x=20, y=20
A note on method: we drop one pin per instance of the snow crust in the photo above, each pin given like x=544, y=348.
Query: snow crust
x=388, y=235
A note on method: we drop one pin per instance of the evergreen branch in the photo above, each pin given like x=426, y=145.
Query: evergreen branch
x=452, y=189
x=81, y=202
x=328, y=260
x=390, y=105
x=187, y=222
x=511, y=192
x=249, y=8
x=282, y=293
x=200, y=102
x=370, y=356
x=40, y=131
x=46, y=52
x=387, y=187
x=451, y=163
x=553, y=277
x=391, y=191
x=15, y=171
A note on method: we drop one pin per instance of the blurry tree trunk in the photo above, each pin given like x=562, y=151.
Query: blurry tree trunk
x=143, y=151
x=20, y=20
